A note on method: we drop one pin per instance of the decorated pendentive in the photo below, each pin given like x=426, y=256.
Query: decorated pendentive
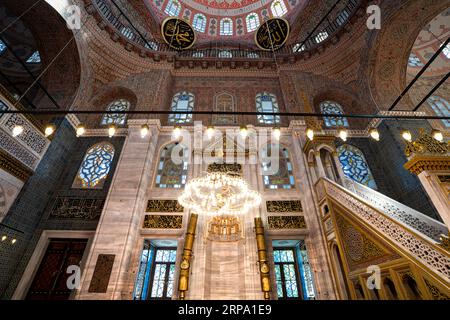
x=272, y=34
x=178, y=34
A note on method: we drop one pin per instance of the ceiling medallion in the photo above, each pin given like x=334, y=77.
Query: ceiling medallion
x=219, y=194
x=272, y=34
x=178, y=34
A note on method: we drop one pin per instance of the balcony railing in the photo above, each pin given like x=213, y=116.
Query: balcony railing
x=323, y=32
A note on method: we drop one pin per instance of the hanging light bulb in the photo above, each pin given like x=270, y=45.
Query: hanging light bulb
x=18, y=129
x=80, y=130
x=310, y=133
x=13, y=241
x=176, y=132
x=4, y=237
x=374, y=134
x=243, y=131
x=49, y=129
x=343, y=134
x=406, y=134
x=111, y=131
x=437, y=135
x=277, y=133
x=144, y=130
x=210, y=132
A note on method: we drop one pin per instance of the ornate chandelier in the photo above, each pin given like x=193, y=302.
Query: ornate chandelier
x=219, y=194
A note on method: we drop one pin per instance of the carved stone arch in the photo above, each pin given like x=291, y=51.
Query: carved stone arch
x=224, y=101
x=392, y=45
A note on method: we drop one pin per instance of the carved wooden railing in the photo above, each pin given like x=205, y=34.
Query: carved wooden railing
x=385, y=221
x=411, y=218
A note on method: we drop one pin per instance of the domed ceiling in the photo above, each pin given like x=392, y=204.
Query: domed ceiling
x=224, y=21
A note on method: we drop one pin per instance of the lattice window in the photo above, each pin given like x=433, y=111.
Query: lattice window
x=34, y=58
x=182, y=101
x=277, y=170
x=278, y=8
x=224, y=102
x=172, y=167
x=252, y=21
x=95, y=166
x=199, y=22
x=226, y=27
x=173, y=8
x=331, y=107
x=2, y=47
x=116, y=118
x=267, y=102
x=321, y=36
x=355, y=166
x=286, y=274
x=156, y=274
x=414, y=61
x=441, y=107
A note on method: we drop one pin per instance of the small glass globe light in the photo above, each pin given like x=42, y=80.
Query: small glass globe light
x=176, y=132
x=18, y=129
x=144, y=130
x=111, y=131
x=49, y=129
x=243, y=131
x=374, y=134
x=210, y=132
x=437, y=135
x=310, y=133
x=81, y=129
x=276, y=133
x=343, y=134
x=406, y=134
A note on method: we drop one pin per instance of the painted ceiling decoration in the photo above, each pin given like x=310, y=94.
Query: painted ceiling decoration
x=224, y=19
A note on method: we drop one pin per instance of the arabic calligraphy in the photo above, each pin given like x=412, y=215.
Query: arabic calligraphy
x=178, y=34
x=272, y=34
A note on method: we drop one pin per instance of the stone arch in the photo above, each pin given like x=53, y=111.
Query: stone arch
x=391, y=48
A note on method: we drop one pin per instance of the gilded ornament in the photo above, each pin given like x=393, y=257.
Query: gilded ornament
x=163, y=206
x=163, y=222
x=284, y=206
x=286, y=222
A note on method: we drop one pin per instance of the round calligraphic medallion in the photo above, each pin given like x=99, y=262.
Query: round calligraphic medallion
x=178, y=34
x=272, y=34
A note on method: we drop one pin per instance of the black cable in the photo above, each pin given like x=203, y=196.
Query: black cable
x=424, y=68
x=242, y=113
x=432, y=91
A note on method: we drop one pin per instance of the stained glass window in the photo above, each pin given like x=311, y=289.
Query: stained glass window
x=330, y=107
x=283, y=178
x=278, y=8
x=355, y=166
x=3, y=107
x=173, y=8
x=321, y=36
x=116, y=118
x=252, y=21
x=199, y=22
x=414, y=61
x=96, y=165
x=156, y=273
x=2, y=46
x=306, y=274
x=182, y=101
x=226, y=27
x=286, y=273
x=441, y=107
x=224, y=102
x=34, y=58
x=267, y=102
x=169, y=173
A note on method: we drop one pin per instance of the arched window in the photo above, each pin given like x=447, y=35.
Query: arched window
x=267, y=102
x=2, y=46
x=173, y=8
x=446, y=51
x=321, y=36
x=172, y=167
x=182, y=101
x=355, y=166
x=224, y=102
x=298, y=48
x=252, y=21
x=342, y=17
x=34, y=58
x=414, y=61
x=95, y=166
x=331, y=107
x=277, y=170
x=278, y=8
x=226, y=27
x=226, y=54
x=199, y=22
x=127, y=33
x=116, y=118
x=441, y=107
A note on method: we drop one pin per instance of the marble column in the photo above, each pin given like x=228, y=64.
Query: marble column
x=118, y=227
